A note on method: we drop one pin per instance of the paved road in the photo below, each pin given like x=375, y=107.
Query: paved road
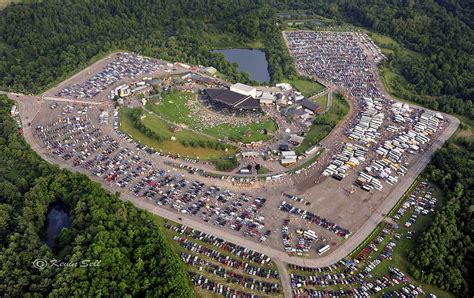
x=280, y=257
x=29, y=106
x=49, y=98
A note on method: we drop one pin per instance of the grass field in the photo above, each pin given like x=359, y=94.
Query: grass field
x=169, y=146
x=324, y=124
x=263, y=170
x=307, y=87
x=405, y=246
x=173, y=107
x=246, y=133
x=322, y=100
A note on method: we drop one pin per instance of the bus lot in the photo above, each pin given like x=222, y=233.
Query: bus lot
x=97, y=147
x=73, y=136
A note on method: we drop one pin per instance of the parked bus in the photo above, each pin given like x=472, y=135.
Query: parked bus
x=323, y=249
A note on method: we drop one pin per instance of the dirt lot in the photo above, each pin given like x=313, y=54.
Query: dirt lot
x=358, y=212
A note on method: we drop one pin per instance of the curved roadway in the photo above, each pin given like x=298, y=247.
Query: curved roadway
x=29, y=107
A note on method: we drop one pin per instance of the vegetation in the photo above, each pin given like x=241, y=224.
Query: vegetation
x=227, y=165
x=322, y=100
x=253, y=132
x=164, y=137
x=441, y=32
x=136, y=259
x=43, y=41
x=173, y=107
x=324, y=123
x=307, y=87
x=262, y=170
x=444, y=251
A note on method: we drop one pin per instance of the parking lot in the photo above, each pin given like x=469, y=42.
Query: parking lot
x=374, y=157
x=361, y=274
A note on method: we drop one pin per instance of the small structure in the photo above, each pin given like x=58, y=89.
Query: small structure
x=296, y=140
x=250, y=154
x=281, y=99
x=122, y=90
x=244, y=89
x=288, y=157
x=267, y=98
x=210, y=70
x=311, y=106
x=284, y=86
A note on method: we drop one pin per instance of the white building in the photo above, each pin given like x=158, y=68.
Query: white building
x=122, y=90
x=210, y=70
x=267, y=98
x=244, y=89
x=284, y=86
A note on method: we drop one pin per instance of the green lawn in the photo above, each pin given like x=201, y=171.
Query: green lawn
x=172, y=107
x=322, y=100
x=307, y=87
x=263, y=170
x=246, y=133
x=169, y=146
x=405, y=246
x=324, y=123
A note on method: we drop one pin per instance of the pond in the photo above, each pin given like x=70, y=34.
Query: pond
x=252, y=61
x=57, y=218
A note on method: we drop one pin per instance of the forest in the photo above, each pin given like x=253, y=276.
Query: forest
x=42, y=43
x=135, y=257
x=445, y=250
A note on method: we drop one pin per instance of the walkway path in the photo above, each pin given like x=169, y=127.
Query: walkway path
x=49, y=98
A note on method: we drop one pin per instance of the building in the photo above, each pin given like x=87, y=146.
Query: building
x=141, y=89
x=288, y=157
x=244, y=89
x=210, y=70
x=122, y=90
x=281, y=99
x=267, y=98
x=311, y=106
x=296, y=140
x=284, y=86
x=232, y=99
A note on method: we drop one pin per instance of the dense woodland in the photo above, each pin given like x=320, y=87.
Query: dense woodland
x=445, y=250
x=440, y=34
x=43, y=43
x=136, y=258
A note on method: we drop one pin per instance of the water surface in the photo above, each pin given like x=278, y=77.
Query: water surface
x=57, y=219
x=252, y=61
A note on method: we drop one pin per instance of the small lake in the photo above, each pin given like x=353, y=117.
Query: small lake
x=252, y=61
x=57, y=219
